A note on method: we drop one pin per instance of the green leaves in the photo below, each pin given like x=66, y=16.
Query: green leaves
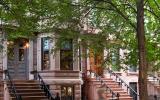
x=115, y=21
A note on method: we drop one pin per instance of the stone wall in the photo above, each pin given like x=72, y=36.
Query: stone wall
x=57, y=79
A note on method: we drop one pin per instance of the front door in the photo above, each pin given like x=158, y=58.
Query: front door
x=17, y=58
x=133, y=85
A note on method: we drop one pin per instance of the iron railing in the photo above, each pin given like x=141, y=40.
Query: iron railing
x=13, y=88
x=155, y=79
x=43, y=85
x=122, y=82
x=114, y=95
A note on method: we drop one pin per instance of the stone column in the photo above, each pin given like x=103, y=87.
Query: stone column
x=38, y=54
x=30, y=59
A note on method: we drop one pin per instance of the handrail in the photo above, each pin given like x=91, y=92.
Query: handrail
x=13, y=88
x=43, y=85
x=104, y=84
x=155, y=78
x=121, y=81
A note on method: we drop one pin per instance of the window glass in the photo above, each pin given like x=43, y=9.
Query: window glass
x=115, y=61
x=10, y=50
x=66, y=45
x=21, y=54
x=67, y=93
x=66, y=56
x=132, y=69
x=45, y=53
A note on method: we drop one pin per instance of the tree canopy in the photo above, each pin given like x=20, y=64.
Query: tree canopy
x=115, y=21
x=23, y=18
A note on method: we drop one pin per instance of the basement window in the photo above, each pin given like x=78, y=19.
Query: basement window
x=67, y=92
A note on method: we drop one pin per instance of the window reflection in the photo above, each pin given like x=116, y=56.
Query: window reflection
x=67, y=93
x=21, y=54
x=10, y=50
x=45, y=53
x=66, y=55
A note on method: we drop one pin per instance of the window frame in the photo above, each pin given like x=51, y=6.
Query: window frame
x=69, y=56
x=45, y=54
x=67, y=94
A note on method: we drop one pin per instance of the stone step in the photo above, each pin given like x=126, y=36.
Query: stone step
x=28, y=90
x=30, y=94
x=1, y=90
x=31, y=98
x=26, y=87
x=124, y=95
x=120, y=98
x=114, y=86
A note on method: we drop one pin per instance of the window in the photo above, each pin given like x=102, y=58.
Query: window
x=10, y=50
x=66, y=55
x=21, y=54
x=132, y=69
x=115, y=60
x=67, y=92
x=45, y=53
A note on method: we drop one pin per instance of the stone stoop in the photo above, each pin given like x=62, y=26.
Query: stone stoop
x=1, y=90
x=28, y=89
x=1, y=85
x=96, y=84
x=153, y=88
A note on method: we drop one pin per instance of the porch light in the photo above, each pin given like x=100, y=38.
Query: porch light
x=27, y=45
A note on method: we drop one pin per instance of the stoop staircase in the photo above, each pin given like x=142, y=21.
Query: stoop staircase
x=110, y=85
x=114, y=90
x=28, y=90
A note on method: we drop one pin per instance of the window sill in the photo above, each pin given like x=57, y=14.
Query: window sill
x=118, y=73
x=132, y=73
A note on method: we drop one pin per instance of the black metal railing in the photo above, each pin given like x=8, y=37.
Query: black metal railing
x=114, y=95
x=13, y=88
x=43, y=85
x=122, y=82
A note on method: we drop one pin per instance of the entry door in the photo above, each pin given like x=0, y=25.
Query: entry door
x=133, y=85
x=17, y=59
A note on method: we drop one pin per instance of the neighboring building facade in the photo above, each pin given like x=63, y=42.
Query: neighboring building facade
x=64, y=70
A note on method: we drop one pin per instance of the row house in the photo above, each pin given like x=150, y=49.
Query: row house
x=30, y=69
x=27, y=59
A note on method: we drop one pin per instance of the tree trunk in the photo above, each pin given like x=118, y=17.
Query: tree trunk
x=143, y=95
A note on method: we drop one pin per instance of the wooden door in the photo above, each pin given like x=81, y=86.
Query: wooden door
x=17, y=59
x=96, y=61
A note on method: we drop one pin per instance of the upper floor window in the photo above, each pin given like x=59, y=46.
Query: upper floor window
x=45, y=53
x=10, y=50
x=132, y=69
x=66, y=55
x=115, y=60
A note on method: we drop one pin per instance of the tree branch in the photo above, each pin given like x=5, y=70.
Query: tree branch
x=119, y=12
